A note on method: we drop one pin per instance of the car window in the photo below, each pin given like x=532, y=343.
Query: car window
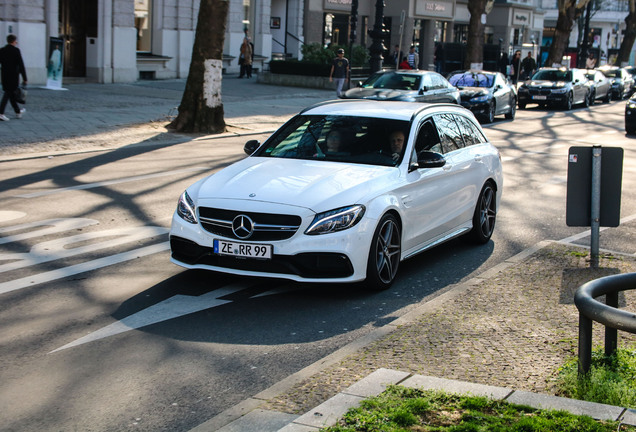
x=472, y=80
x=364, y=140
x=427, y=82
x=437, y=81
x=470, y=132
x=449, y=133
x=428, y=138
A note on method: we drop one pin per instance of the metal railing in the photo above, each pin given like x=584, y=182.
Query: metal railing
x=607, y=314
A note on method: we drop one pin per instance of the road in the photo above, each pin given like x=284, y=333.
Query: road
x=101, y=332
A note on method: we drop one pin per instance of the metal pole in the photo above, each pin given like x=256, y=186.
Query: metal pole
x=585, y=344
x=611, y=334
x=596, y=204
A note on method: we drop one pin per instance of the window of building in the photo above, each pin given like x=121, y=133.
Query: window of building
x=143, y=24
x=336, y=29
x=460, y=32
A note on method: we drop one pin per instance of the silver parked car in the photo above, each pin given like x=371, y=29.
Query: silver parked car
x=600, y=86
x=405, y=85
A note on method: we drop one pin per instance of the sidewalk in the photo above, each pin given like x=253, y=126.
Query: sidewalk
x=506, y=331
x=98, y=116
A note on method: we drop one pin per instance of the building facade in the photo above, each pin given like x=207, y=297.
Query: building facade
x=124, y=40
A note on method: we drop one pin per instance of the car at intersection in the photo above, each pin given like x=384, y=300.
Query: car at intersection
x=301, y=208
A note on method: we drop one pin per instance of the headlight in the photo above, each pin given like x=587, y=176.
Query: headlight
x=631, y=104
x=186, y=208
x=480, y=99
x=559, y=91
x=335, y=220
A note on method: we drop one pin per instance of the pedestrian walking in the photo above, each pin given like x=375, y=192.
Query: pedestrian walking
x=12, y=68
x=413, y=58
x=528, y=66
x=339, y=71
x=245, y=58
x=516, y=66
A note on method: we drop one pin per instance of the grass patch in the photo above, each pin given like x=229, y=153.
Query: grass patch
x=402, y=409
x=611, y=380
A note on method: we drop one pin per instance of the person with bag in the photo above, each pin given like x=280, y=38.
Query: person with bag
x=12, y=68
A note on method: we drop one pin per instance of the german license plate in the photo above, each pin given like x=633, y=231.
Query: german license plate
x=245, y=250
x=540, y=97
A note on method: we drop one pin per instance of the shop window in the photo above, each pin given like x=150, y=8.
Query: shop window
x=143, y=24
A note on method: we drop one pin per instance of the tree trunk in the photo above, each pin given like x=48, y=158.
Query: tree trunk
x=475, y=42
x=569, y=10
x=629, y=37
x=201, y=108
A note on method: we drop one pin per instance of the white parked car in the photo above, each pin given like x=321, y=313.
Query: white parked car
x=330, y=196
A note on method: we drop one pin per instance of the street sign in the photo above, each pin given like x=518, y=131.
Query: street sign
x=579, y=186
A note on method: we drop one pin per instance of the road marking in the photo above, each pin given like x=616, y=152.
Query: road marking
x=62, y=248
x=110, y=182
x=7, y=215
x=173, y=307
x=55, y=226
x=82, y=268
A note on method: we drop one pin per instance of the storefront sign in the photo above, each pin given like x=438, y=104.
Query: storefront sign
x=434, y=9
x=337, y=5
x=521, y=17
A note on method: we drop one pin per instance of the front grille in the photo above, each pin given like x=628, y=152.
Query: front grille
x=543, y=92
x=267, y=226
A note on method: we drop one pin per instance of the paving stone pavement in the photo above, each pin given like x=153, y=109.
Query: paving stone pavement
x=511, y=327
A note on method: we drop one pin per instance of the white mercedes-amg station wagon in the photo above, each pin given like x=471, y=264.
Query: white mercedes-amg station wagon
x=343, y=192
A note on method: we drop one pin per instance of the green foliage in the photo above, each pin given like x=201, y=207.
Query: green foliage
x=402, y=409
x=316, y=53
x=611, y=380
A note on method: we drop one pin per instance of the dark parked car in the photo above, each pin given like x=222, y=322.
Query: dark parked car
x=621, y=80
x=486, y=94
x=630, y=116
x=601, y=86
x=405, y=85
x=551, y=86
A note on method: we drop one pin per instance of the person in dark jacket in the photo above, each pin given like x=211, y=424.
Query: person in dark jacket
x=12, y=68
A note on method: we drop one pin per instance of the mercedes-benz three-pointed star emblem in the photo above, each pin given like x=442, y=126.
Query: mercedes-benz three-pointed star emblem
x=242, y=227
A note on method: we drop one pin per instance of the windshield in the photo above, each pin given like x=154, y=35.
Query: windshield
x=472, y=80
x=393, y=80
x=553, y=75
x=364, y=140
x=611, y=73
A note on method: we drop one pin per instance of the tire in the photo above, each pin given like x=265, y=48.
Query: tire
x=567, y=105
x=490, y=115
x=384, y=254
x=513, y=110
x=592, y=98
x=586, y=101
x=608, y=97
x=485, y=215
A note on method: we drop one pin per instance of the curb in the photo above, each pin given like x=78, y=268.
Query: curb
x=228, y=419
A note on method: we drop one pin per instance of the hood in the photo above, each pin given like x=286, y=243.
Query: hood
x=378, y=94
x=316, y=185
x=471, y=92
x=544, y=83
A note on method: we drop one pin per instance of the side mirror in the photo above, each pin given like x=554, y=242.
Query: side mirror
x=251, y=146
x=423, y=89
x=359, y=84
x=428, y=159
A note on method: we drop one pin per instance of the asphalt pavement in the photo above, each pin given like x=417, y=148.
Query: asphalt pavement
x=503, y=333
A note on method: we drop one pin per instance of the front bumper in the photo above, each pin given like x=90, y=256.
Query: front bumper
x=336, y=257
x=479, y=109
x=541, y=97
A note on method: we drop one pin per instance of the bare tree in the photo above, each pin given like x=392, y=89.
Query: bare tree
x=201, y=108
x=630, y=35
x=475, y=41
x=569, y=10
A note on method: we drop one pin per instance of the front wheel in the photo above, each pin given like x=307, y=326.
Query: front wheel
x=490, y=115
x=567, y=105
x=484, y=216
x=384, y=255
